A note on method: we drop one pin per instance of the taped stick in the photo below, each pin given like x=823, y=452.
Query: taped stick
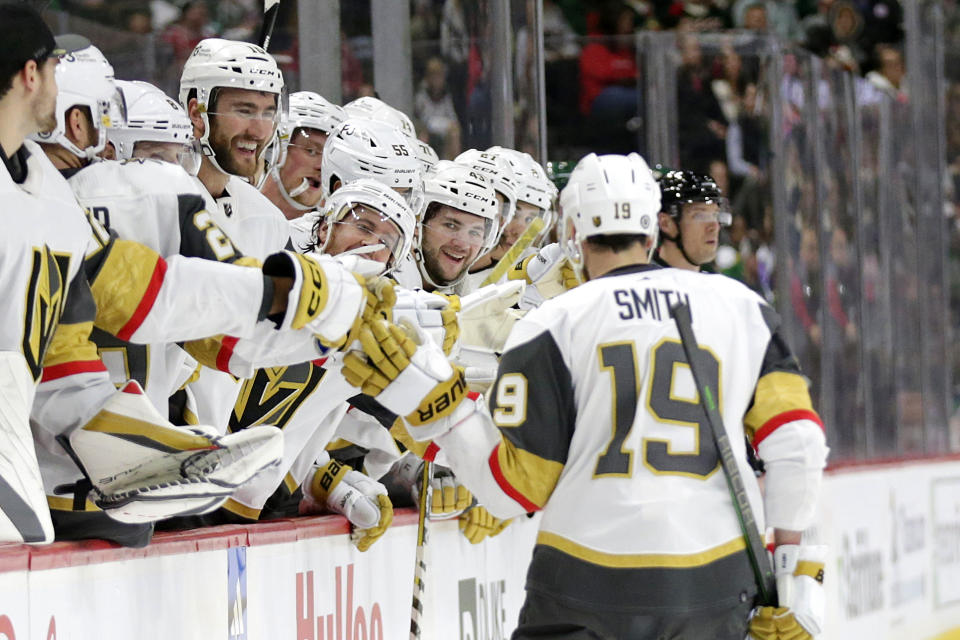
x=756, y=551
x=270, y=10
x=420, y=569
x=513, y=254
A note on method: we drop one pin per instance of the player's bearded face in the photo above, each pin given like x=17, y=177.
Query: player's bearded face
x=44, y=105
x=452, y=240
x=241, y=125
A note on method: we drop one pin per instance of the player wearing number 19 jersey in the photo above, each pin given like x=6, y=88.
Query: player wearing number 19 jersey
x=595, y=421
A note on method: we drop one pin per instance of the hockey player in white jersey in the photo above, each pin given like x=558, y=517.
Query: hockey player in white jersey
x=294, y=185
x=458, y=225
x=132, y=292
x=367, y=220
x=595, y=421
x=232, y=92
x=46, y=257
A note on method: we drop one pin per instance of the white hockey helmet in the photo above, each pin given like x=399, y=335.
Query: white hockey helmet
x=607, y=195
x=376, y=109
x=426, y=155
x=152, y=116
x=85, y=79
x=500, y=174
x=216, y=63
x=341, y=208
x=308, y=110
x=466, y=190
x=360, y=148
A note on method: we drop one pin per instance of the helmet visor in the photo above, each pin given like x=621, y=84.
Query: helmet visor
x=363, y=230
x=185, y=154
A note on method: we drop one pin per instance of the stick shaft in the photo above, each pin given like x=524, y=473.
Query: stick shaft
x=270, y=10
x=420, y=568
x=513, y=254
x=756, y=551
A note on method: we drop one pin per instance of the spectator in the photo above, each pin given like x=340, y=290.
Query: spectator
x=184, y=34
x=729, y=86
x=433, y=106
x=702, y=126
x=608, y=77
x=138, y=20
x=776, y=16
x=745, y=137
x=889, y=74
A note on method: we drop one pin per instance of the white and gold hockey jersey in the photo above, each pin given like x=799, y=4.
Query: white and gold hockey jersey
x=159, y=205
x=257, y=228
x=65, y=274
x=598, y=424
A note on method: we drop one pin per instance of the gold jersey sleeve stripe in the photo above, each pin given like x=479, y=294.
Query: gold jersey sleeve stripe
x=777, y=393
x=205, y=351
x=148, y=433
x=524, y=476
x=812, y=569
x=640, y=560
x=126, y=286
x=71, y=343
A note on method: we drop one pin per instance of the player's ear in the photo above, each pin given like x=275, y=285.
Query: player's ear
x=78, y=127
x=193, y=110
x=667, y=224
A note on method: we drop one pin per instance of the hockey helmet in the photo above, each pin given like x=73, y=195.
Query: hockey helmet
x=152, y=116
x=499, y=173
x=461, y=188
x=360, y=148
x=355, y=202
x=216, y=64
x=608, y=195
x=680, y=187
x=85, y=79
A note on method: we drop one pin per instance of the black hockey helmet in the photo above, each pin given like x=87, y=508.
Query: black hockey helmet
x=680, y=187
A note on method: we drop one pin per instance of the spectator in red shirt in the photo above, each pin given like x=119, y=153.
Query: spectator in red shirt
x=608, y=72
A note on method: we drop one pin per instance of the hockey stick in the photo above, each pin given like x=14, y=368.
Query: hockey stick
x=513, y=254
x=420, y=569
x=270, y=10
x=756, y=551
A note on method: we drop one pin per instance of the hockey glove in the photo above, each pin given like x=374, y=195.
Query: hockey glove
x=548, y=274
x=433, y=312
x=450, y=498
x=406, y=372
x=478, y=524
x=801, y=613
x=325, y=298
x=361, y=499
x=143, y=468
x=486, y=316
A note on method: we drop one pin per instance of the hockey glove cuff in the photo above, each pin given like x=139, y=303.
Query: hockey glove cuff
x=799, y=571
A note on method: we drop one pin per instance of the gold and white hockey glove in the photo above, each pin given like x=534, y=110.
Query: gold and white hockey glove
x=478, y=524
x=144, y=469
x=486, y=316
x=450, y=498
x=434, y=313
x=354, y=495
x=325, y=298
x=547, y=273
x=407, y=373
x=800, y=616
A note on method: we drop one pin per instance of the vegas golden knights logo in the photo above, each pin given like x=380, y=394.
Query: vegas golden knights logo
x=45, y=296
x=274, y=394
